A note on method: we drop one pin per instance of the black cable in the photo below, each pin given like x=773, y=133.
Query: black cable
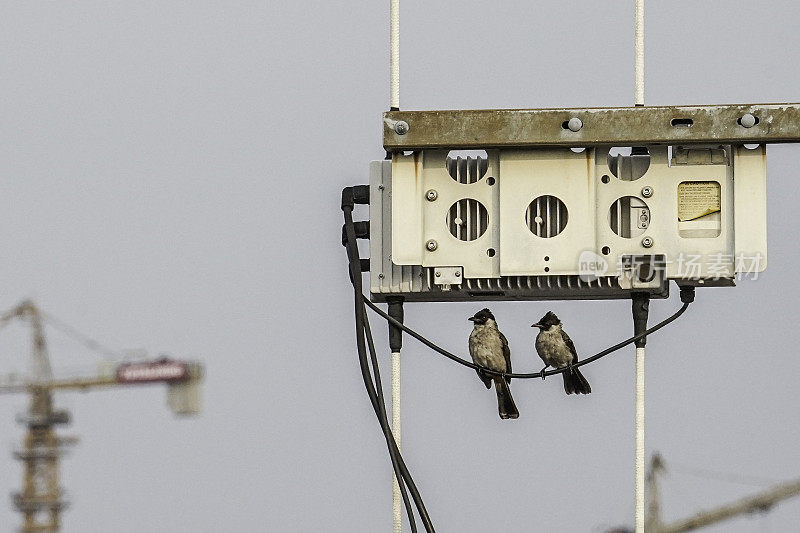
x=401, y=471
x=375, y=393
x=375, y=398
x=351, y=195
x=354, y=263
x=531, y=375
x=379, y=389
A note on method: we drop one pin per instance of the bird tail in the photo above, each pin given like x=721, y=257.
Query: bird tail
x=505, y=402
x=574, y=382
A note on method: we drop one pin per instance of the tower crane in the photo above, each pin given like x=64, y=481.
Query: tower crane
x=760, y=502
x=42, y=499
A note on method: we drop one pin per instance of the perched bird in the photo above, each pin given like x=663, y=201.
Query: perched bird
x=489, y=348
x=557, y=350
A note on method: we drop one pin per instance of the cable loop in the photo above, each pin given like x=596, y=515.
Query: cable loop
x=528, y=375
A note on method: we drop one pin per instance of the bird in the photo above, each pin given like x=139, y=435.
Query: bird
x=557, y=350
x=489, y=348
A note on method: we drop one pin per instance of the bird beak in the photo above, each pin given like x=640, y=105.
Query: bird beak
x=471, y=319
x=536, y=325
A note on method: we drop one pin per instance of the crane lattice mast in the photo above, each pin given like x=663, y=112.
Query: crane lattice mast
x=42, y=499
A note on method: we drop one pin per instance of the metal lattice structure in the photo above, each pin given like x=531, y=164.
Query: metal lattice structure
x=42, y=498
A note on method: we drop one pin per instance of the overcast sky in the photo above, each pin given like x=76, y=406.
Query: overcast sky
x=171, y=174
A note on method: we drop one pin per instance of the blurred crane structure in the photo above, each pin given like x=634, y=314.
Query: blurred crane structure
x=41, y=499
x=760, y=502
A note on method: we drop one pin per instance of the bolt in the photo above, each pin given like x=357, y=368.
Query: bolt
x=575, y=124
x=431, y=195
x=747, y=120
x=431, y=245
x=438, y=274
x=458, y=274
x=401, y=128
x=381, y=187
x=647, y=192
x=380, y=276
x=647, y=242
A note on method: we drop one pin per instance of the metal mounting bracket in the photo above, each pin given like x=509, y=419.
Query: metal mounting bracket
x=621, y=126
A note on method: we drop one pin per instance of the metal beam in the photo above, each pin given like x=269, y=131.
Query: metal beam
x=760, y=502
x=614, y=126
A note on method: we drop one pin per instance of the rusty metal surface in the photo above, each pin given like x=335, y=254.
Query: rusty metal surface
x=621, y=126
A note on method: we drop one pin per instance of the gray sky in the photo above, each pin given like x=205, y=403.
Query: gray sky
x=171, y=175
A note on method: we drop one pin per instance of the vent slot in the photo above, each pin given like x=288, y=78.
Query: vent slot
x=467, y=170
x=467, y=219
x=546, y=216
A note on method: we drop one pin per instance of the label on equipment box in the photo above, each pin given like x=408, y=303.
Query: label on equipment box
x=697, y=199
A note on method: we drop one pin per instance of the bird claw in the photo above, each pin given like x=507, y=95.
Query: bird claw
x=542, y=373
x=571, y=369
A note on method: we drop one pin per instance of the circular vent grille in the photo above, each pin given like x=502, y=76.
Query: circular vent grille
x=467, y=219
x=629, y=217
x=546, y=216
x=467, y=169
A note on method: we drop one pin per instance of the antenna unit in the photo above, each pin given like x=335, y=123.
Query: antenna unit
x=540, y=204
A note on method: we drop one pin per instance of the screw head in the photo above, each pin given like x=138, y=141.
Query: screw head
x=431, y=195
x=431, y=245
x=458, y=274
x=438, y=274
x=647, y=192
x=575, y=124
x=647, y=242
x=747, y=120
x=401, y=128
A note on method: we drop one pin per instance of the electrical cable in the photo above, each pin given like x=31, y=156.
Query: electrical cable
x=382, y=405
x=372, y=380
x=529, y=375
x=401, y=471
x=375, y=392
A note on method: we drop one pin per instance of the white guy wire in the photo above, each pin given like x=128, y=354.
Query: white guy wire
x=638, y=50
x=397, y=500
x=394, y=103
x=639, y=469
x=394, y=54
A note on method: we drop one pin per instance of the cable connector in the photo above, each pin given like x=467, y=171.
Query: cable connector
x=357, y=194
x=687, y=294
x=361, y=229
x=641, y=309
x=396, y=312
